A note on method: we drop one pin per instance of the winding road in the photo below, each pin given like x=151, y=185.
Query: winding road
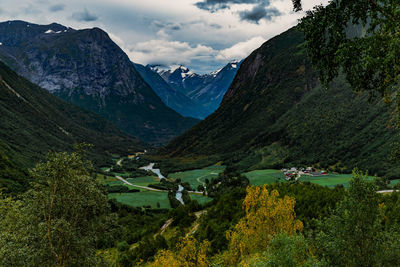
x=139, y=186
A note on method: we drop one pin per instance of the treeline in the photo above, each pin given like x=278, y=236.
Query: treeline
x=66, y=219
x=357, y=227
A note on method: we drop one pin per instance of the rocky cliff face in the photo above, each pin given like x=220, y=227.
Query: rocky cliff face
x=87, y=68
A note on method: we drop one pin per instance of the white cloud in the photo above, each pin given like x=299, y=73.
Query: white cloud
x=241, y=49
x=169, y=53
x=178, y=30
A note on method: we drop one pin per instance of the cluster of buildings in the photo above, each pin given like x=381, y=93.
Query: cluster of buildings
x=295, y=173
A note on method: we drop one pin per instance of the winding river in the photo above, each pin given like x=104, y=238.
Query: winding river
x=150, y=168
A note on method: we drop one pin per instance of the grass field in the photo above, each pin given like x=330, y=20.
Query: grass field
x=143, y=198
x=260, y=177
x=144, y=181
x=198, y=177
x=151, y=198
x=394, y=182
x=146, y=197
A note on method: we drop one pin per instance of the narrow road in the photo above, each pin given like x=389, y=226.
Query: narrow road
x=139, y=186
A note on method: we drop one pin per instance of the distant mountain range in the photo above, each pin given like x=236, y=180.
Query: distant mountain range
x=86, y=68
x=275, y=114
x=35, y=122
x=189, y=93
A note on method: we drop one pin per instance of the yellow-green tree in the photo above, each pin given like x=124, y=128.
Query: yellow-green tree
x=266, y=216
x=189, y=252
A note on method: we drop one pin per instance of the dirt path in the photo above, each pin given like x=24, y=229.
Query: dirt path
x=200, y=182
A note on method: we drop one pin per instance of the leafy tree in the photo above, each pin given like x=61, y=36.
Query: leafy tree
x=266, y=216
x=359, y=37
x=189, y=252
x=286, y=250
x=59, y=220
x=354, y=235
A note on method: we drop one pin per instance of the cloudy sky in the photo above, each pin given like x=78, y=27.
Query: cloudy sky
x=203, y=35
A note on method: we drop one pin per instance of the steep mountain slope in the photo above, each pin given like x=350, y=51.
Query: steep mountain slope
x=205, y=91
x=275, y=114
x=86, y=68
x=34, y=122
x=169, y=95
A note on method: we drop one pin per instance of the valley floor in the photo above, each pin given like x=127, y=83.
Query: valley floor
x=158, y=198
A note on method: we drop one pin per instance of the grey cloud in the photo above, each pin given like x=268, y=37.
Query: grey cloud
x=167, y=25
x=216, y=26
x=85, y=15
x=175, y=27
x=57, y=7
x=215, y=5
x=259, y=12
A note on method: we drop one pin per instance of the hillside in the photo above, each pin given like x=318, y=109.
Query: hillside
x=86, y=68
x=275, y=114
x=34, y=122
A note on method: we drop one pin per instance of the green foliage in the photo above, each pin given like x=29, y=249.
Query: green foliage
x=224, y=212
x=119, y=189
x=359, y=37
x=13, y=179
x=312, y=201
x=225, y=182
x=355, y=235
x=286, y=250
x=34, y=122
x=58, y=221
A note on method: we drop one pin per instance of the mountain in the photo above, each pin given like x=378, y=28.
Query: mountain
x=34, y=122
x=169, y=95
x=275, y=114
x=86, y=68
x=205, y=92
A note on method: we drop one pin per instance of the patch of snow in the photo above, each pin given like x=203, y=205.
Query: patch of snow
x=215, y=73
x=178, y=195
x=174, y=68
x=51, y=31
x=1, y=43
x=234, y=66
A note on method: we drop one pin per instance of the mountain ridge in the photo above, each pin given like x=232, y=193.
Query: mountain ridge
x=194, y=95
x=35, y=122
x=275, y=114
x=85, y=67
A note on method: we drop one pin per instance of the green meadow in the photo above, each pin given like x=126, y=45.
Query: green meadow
x=269, y=176
x=198, y=177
